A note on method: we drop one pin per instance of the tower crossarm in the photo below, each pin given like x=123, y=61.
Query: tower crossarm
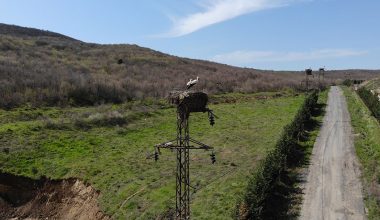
x=172, y=145
x=188, y=147
x=201, y=145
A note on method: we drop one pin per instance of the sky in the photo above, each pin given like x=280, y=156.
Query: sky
x=260, y=34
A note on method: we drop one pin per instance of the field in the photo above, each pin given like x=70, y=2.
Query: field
x=367, y=144
x=108, y=147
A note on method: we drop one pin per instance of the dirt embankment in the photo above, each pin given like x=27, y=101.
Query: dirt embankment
x=21, y=198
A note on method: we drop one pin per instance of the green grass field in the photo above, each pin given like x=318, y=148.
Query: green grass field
x=107, y=146
x=367, y=144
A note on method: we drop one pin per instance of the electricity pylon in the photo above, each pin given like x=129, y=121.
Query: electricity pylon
x=321, y=73
x=186, y=102
x=308, y=72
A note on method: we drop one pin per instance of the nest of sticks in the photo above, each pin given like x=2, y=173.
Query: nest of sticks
x=189, y=101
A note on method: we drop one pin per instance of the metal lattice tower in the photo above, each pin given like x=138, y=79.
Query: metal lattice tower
x=183, y=174
x=321, y=73
x=186, y=102
x=308, y=72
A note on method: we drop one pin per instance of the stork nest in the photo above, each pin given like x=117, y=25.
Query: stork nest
x=189, y=101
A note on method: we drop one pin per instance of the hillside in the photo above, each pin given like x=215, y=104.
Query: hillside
x=44, y=68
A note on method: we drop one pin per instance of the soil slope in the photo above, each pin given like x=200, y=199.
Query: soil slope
x=22, y=198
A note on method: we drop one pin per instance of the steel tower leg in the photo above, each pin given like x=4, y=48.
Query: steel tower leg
x=182, y=175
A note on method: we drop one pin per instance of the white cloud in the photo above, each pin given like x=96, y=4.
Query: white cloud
x=249, y=57
x=216, y=11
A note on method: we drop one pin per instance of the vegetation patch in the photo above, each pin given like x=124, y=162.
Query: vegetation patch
x=367, y=144
x=371, y=101
x=373, y=84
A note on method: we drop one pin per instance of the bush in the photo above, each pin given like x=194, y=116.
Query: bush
x=107, y=119
x=55, y=125
x=262, y=182
x=371, y=101
x=41, y=43
x=347, y=82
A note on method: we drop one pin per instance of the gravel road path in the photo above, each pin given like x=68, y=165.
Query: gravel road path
x=333, y=189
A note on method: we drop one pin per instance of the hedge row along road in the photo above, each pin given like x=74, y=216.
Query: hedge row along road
x=333, y=189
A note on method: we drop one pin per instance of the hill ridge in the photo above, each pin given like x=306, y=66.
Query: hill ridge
x=15, y=30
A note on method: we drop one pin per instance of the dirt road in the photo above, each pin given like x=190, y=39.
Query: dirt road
x=333, y=189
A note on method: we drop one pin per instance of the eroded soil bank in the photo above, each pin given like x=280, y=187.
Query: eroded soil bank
x=22, y=197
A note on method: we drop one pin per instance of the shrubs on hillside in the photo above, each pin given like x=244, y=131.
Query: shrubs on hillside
x=262, y=182
x=371, y=101
x=45, y=69
x=51, y=71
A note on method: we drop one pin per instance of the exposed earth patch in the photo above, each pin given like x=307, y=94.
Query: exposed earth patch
x=22, y=197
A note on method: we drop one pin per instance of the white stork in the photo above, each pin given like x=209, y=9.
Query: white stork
x=192, y=82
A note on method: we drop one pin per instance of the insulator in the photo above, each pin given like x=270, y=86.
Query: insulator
x=213, y=159
x=156, y=156
x=211, y=118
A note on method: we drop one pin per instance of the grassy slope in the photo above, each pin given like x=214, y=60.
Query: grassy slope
x=367, y=143
x=113, y=159
x=373, y=84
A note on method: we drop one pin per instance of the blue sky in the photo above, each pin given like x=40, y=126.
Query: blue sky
x=262, y=34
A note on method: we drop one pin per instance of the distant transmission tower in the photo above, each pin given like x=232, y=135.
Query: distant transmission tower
x=308, y=72
x=321, y=73
x=186, y=102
